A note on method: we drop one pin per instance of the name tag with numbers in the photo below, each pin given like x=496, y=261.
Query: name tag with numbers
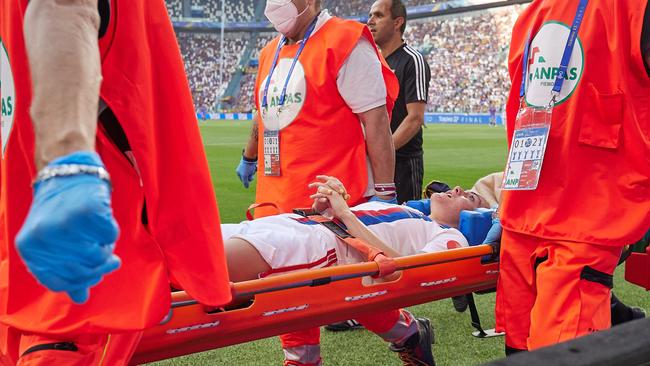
x=272, y=153
x=527, y=149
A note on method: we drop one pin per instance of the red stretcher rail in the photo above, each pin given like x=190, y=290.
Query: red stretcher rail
x=313, y=298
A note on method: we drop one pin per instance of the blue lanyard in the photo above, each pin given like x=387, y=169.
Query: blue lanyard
x=524, y=71
x=293, y=64
x=566, y=56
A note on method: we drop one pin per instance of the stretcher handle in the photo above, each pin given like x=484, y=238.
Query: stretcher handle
x=249, y=211
x=322, y=276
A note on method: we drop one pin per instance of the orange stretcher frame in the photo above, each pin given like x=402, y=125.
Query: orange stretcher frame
x=311, y=298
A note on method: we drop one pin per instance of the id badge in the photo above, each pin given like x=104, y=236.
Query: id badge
x=528, y=148
x=272, y=153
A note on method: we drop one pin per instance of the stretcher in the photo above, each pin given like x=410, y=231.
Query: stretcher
x=311, y=298
x=299, y=300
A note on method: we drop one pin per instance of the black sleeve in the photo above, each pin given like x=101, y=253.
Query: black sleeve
x=416, y=79
x=104, y=9
x=645, y=39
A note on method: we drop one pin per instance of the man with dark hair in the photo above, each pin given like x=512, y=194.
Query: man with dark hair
x=387, y=22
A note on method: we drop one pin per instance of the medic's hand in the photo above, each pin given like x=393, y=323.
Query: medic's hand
x=246, y=170
x=387, y=199
x=68, y=238
x=330, y=193
x=494, y=235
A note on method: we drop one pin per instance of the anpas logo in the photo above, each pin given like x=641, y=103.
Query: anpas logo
x=546, y=51
x=276, y=116
x=8, y=96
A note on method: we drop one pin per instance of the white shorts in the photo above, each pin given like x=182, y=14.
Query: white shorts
x=285, y=243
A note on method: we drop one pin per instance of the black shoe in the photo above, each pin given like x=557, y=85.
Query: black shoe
x=416, y=351
x=460, y=303
x=637, y=313
x=344, y=325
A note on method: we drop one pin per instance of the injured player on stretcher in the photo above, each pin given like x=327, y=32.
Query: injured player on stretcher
x=289, y=242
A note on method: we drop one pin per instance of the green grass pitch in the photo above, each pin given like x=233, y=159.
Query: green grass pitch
x=455, y=154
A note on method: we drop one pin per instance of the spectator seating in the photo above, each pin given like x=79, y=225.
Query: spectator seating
x=202, y=55
x=467, y=54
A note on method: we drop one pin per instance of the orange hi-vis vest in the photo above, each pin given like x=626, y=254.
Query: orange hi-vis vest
x=166, y=208
x=595, y=180
x=319, y=133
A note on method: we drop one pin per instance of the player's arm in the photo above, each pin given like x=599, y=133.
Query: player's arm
x=329, y=188
x=411, y=124
x=61, y=42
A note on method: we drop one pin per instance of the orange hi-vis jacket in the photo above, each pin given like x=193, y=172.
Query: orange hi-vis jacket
x=324, y=136
x=144, y=84
x=595, y=180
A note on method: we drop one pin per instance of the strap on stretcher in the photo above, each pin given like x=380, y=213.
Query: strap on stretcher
x=386, y=264
x=299, y=300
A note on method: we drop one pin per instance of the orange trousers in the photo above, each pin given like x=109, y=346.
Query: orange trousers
x=551, y=291
x=88, y=350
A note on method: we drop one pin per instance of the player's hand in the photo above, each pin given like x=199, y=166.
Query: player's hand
x=330, y=194
x=69, y=235
x=246, y=170
x=384, y=199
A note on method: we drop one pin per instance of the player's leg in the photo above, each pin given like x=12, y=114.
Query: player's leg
x=410, y=337
x=244, y=260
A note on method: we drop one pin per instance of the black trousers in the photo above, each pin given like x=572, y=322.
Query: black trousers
x=409, y=172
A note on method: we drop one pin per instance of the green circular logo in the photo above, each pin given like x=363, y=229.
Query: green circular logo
x=545, y=56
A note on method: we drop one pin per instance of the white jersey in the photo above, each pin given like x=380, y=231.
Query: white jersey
x=291, y=242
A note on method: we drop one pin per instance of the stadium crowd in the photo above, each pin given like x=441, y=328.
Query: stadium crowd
x=467, y=55
x=236, y=10
x=201, y=53
x=244, y=10
x=361, y=7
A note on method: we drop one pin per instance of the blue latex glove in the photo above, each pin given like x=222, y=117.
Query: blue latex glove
x=494, y=234
x=68, y=238
x=246, y=171
x=377, y=199
x=423, y=205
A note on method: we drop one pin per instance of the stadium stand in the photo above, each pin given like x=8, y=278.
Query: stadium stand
x=244, y=10
x=174, y=8
x=236, y=10
x=361, y=7
x=201, y=53
x=467, y=54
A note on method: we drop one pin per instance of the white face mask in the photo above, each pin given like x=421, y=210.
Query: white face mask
x=283, y=14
